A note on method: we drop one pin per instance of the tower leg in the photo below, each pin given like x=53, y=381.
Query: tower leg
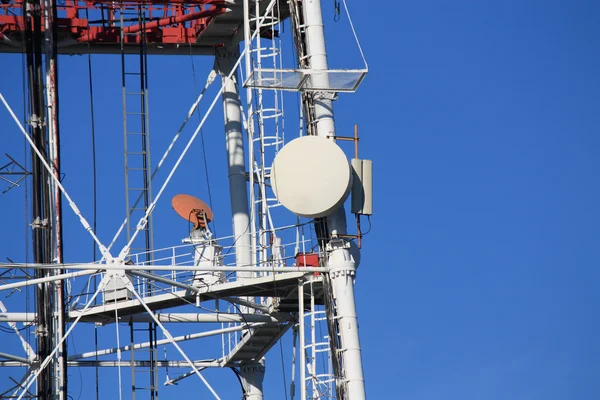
x=317, y=56
x=341, y=264
x=253, y=373
x=342, y=270
x=238, y=191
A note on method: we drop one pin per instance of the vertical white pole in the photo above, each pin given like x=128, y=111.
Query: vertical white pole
x=253, y=374
x=301, y=340
x=317, y=57
x=342, y=272
x=313, y=340
x=238, y=191
x=341, y=264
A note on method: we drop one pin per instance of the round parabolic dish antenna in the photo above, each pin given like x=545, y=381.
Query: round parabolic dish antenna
x=311, y=176
x=192, y=209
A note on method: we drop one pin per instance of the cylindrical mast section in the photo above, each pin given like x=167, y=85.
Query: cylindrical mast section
x=317, y=58
x=238, y=190
x=253, y=373
x=341, y=264
x=342, y=274
x=323, y=105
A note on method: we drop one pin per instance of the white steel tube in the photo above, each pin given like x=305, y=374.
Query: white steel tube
x=252, y=374
x=173, y=381
x=238, y=190
x=313, y=340
x=164, y=318
x=14, y=358
x=342, y=279
x=301, y=340
x=317, y=58
x=46, y=279
x=216, y=317
x=163, y=341
x=127, y=363
x=72, y=204
x=93, y=268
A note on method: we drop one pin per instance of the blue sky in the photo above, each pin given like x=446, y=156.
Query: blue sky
x=478, y=279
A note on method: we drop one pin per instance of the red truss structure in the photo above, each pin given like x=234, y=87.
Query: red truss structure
x=170, y=27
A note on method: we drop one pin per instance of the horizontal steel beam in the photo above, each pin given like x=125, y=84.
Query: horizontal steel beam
x=15, y=358
x=126, y=364
x=126, y=267
x=165, y=317
x=164, y=341
x=52, y=278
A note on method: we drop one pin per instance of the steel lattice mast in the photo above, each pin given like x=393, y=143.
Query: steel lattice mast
x=267, y=296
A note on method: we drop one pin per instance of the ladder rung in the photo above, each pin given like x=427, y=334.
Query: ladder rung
x=134, y=113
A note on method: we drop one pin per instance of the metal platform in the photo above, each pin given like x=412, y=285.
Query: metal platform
x=181, y=29
x=283, y=286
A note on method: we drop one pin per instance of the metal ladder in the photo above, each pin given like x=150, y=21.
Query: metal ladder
x=266, y=117
x=138, y=188
x=318, y=376
x=297, y=21
x=136, y=129
x=144, y=378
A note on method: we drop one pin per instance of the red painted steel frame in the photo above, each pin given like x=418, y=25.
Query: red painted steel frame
x=167, y=21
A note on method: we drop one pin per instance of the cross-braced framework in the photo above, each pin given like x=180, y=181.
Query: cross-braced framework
x=239, y=293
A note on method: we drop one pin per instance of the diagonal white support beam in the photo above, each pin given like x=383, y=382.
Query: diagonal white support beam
x=15, y=358
x=171, y=382
x=130, y=286
x=52, y=278
x=103, y=250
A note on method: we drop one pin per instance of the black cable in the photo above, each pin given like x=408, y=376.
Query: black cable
x=336, y=10
x=78, y=369
x=283, y=368
x=237, y=375
x=369, y=220
x=6, y=330
x=93, y=132
x=210, y=202
x=25, y=147
x=94, y=196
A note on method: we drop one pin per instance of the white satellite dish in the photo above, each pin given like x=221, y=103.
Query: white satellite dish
x=311, y=176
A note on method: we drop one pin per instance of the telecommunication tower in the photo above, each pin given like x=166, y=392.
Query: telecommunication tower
x=289, y=263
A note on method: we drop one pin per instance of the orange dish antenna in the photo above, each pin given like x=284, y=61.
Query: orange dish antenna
x=192, y=209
